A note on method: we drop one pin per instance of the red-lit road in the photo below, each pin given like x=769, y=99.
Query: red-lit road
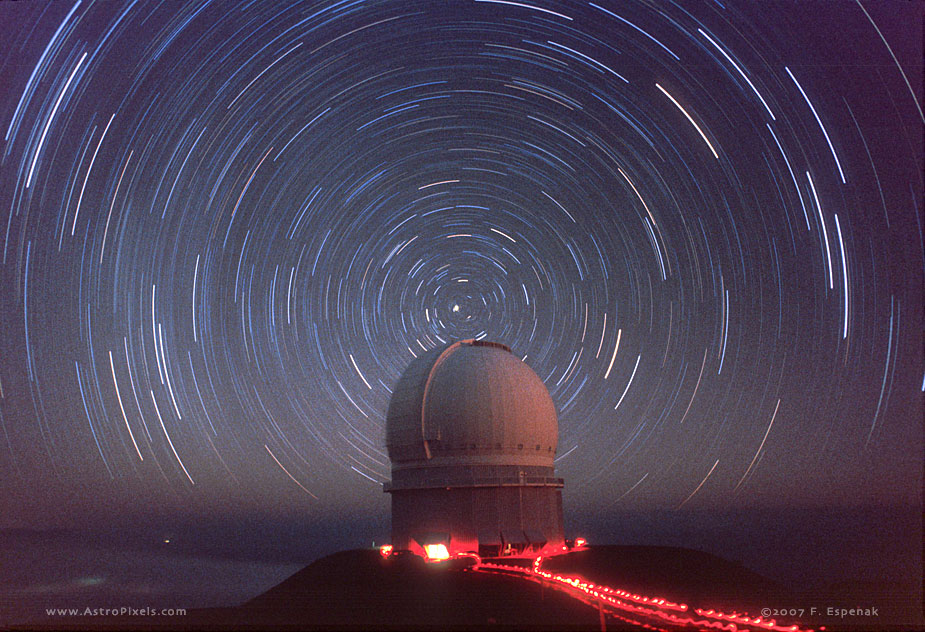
x=627, y=609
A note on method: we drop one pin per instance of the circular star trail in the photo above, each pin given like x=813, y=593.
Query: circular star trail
x=227, y=228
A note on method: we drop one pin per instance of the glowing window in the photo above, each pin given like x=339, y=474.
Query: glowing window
x=436, y=552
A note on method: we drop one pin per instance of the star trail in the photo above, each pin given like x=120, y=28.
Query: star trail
x=228, y=227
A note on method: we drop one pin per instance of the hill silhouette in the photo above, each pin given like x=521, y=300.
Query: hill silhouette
x=361, y=590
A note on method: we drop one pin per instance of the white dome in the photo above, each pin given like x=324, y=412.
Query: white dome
x=471, y=403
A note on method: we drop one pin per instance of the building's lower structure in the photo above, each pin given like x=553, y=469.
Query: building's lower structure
x=472, y=435
x=518, y=514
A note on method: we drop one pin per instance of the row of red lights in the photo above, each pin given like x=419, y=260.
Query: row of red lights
x=657, y=606
x=438, y=552
x=615, y=597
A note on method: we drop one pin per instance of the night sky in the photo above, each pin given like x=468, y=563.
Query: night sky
x=227, y=227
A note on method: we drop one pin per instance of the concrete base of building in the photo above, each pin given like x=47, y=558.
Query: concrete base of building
x=490, y=521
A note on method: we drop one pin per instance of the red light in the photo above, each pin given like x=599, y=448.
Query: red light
x=436, y=552
x=471, y=554
x=385, y=550
x=579, y=542
x=654, y=609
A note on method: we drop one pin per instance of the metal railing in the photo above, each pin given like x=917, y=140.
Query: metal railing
x=448, y=482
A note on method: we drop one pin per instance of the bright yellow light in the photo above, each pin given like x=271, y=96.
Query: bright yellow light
x=436, y=552
x=385, y=550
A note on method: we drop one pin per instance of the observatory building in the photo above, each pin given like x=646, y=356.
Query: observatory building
x=471, y=432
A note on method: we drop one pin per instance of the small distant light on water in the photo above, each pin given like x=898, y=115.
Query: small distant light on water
x=385, y=550
x=90, y=581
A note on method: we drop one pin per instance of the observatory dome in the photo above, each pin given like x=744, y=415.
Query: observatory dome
x=471, y=403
